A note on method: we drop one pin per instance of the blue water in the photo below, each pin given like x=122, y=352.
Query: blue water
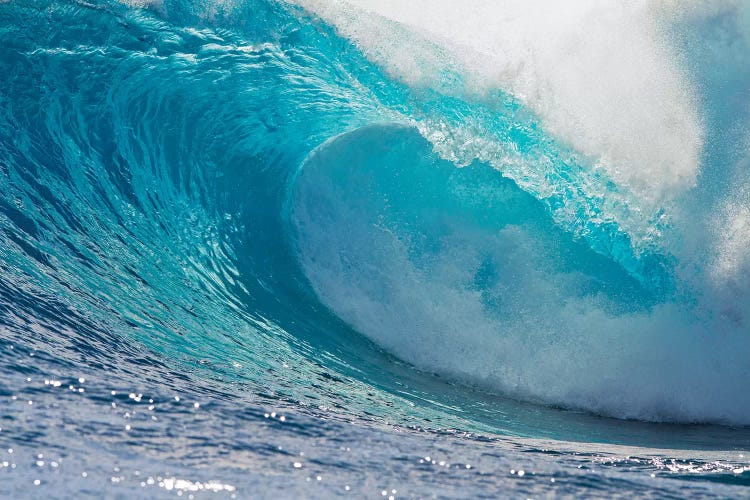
x=242, y=258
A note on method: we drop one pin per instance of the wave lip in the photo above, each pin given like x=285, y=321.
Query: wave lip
x=603, y=78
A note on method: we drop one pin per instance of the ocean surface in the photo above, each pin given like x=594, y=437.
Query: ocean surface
x=374, y=248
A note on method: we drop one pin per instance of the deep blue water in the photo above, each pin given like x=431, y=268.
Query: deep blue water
x=241, y=258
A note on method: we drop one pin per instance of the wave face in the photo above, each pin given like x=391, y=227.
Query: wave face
x=553, y=208
x=639, y=304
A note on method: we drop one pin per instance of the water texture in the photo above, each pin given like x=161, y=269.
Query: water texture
x=258, y=248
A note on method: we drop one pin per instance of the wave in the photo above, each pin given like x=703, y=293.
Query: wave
x=261, y=189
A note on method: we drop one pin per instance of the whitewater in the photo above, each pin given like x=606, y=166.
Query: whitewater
x=375, y=248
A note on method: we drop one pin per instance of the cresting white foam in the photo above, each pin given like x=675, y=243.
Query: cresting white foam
x=601, y=75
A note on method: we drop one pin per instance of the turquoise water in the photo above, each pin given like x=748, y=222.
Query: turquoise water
x=243, y=255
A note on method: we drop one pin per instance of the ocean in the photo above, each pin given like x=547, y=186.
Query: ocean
x=372, y=248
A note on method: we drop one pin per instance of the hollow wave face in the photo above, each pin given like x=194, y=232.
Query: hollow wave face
x=460, y=272
x=349, y=195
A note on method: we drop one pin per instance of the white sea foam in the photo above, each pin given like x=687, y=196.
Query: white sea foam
x=602, y=75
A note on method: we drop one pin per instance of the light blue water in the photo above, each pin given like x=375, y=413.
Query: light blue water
x=241, y=257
